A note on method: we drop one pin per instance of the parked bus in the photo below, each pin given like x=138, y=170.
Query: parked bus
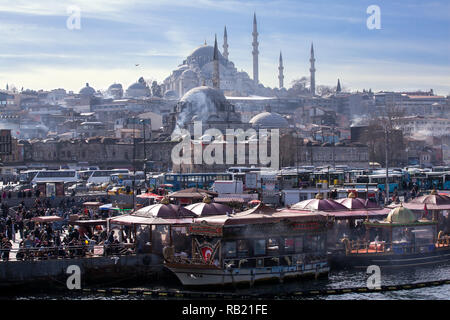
x=103, y=176
x=66, y=176
x=395, y=180
x=194, y=180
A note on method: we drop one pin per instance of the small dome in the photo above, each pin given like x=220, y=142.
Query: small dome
x=87, y=91
x=170, y=94
x=269, y=120
x=115, y=86
x=200, y=94
x=401, y=215
x=189, y=74
x=137, y=85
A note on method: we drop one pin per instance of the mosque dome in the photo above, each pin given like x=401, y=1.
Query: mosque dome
x=269, y=120
x=202, y=55
x=87, y=91
x=401, y=215
x=138, y=89
x=189, y=74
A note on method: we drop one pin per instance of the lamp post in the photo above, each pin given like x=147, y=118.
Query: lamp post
x=145, y=153
x=386, y=186
x=134, y=160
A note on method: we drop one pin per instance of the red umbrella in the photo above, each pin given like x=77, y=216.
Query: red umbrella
x=150, y=195
x=255, y=202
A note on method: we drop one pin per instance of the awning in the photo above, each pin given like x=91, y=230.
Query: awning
x=227, y=200
x=47, y=219
x=88, y=222
x=132, y=219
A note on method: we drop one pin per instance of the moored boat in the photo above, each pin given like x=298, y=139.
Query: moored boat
x=399, y=241
x=251, y=246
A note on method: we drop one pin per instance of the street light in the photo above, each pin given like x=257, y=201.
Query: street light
x=145, y=153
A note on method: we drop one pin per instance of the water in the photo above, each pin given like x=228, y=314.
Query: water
x=336, y=279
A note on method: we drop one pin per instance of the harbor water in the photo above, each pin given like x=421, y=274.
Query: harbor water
x=335, y=280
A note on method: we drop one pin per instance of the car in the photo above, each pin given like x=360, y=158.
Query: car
x=119, y=190
x=78, y=187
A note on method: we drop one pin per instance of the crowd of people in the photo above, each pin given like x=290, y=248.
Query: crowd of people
x=45, y=240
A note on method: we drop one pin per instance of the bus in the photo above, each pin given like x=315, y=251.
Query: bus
x=103, y=176
x=126, y=179
x=27, y=176
x=194, y=180
x=395, y=180
x=66, y=176
x=437, y=180
x=332, y=177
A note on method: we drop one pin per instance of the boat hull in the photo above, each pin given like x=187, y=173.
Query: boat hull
x=343, y=261
x=197, y=276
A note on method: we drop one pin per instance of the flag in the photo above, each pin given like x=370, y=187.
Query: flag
x=425, y=210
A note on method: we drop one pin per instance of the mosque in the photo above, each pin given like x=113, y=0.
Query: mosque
x=198, y=69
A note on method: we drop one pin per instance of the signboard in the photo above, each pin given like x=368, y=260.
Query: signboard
x=205, y=229
x=5, y=142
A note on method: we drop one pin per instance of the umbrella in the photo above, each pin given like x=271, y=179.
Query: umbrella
x=203, y=209
x=319, y=204
x=433, y=201
x=150, y=195
x=165, y=211
x=254, y=202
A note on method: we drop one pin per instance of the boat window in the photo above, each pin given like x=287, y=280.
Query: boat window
x=242, y=248
x=272, y=246
x=260, y=247
x=299, y=244
x=422, y=235
x=289, y=245
x=230, y=249
x=314, y=243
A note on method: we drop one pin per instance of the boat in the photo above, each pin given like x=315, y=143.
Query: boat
x=255, y=245
x=399, y=241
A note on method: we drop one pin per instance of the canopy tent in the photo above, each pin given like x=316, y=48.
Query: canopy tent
x=319, y=204
x=357, y=203
x=348, y=214
x=47, y=219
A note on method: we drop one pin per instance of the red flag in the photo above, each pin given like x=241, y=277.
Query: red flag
x=425, y=210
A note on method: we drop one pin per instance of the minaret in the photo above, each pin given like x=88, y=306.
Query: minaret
x=255, y=51
x=216, y=76
x=280, y=72
x=312, y=70
x=225, y=44
x=338, y=88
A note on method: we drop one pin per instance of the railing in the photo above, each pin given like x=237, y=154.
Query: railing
x=66, y=252
x=367, y=247
x=261, y=261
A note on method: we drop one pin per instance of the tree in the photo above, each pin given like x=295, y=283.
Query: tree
x=156, y=89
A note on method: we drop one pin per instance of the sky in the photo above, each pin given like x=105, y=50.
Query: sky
x=121, y=40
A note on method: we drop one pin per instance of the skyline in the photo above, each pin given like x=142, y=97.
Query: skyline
x=410, y=52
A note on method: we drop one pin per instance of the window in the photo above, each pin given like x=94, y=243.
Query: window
x=289, y=245
x=260, y=247
x=229, y=248
x=242, y=248
x=273, y=247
